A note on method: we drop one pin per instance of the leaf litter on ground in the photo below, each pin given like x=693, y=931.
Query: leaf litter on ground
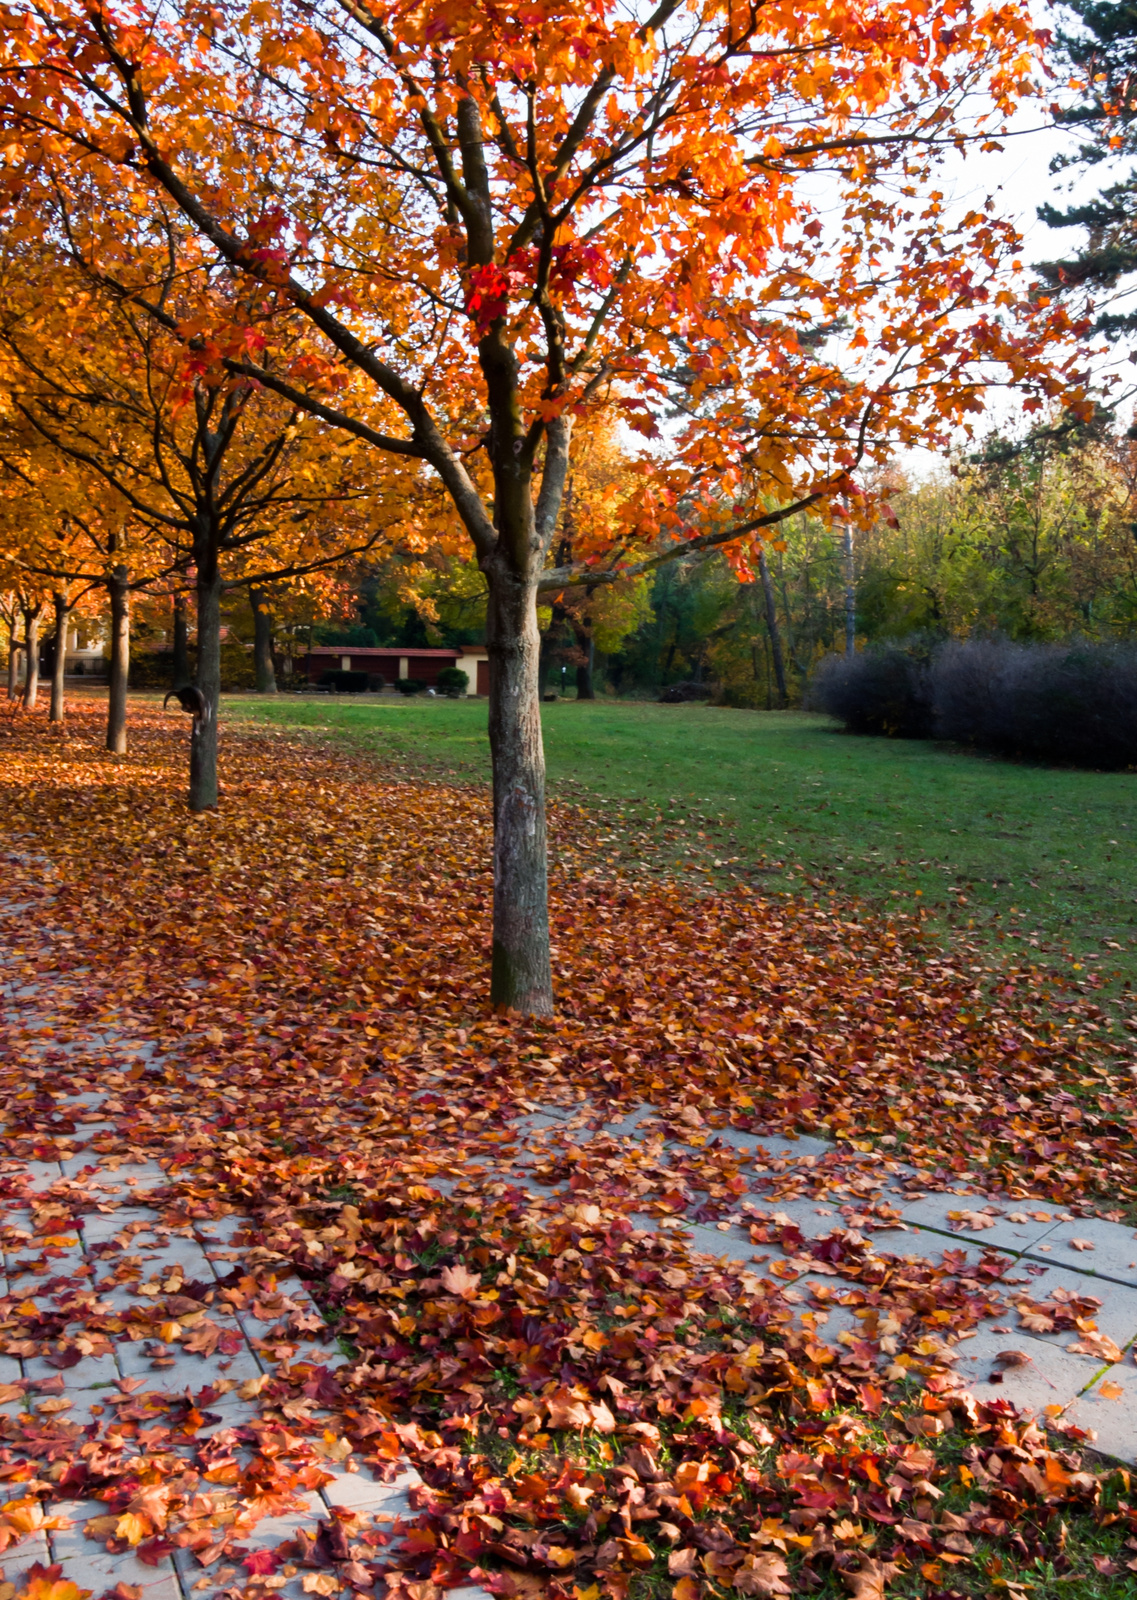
x=594, y=1407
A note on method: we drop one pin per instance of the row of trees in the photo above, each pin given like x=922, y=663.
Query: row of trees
x=288, y=279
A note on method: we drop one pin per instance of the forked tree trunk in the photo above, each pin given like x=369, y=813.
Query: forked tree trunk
x=180, y=669
x=772, y=626
x=31, y=672
x=59, y=660
x=521, y=978
x=262, y=643
x=118, y=588
x=203, y=740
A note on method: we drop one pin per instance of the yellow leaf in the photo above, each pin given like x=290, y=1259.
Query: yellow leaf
x=1110, y=1390
x=132, y=1528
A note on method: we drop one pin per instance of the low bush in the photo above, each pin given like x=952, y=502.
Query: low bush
x=410, y=685
x=883, y=690
x=1073, y=704
x=677, y=693
x=344, y=682
x=452, y=681
x=376, y=681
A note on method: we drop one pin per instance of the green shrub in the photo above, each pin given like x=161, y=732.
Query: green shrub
x=410, y=685
x=452, y=681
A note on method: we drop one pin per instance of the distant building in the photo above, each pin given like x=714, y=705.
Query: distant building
x=397, y=662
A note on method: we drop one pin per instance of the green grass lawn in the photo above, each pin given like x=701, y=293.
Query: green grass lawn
x=1023, y=858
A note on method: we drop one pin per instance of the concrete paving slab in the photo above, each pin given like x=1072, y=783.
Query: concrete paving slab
x=1116, y=1317
x=147, y=1172
x=1052, y=1376
x=92, y=1566
x=1005, y=1232
x=357, y=1491
x=84, y=1375
x=142, y=1359
x=100, y=1225
x=1111, y=1415
x=1113, y=1252
x=16, y=1560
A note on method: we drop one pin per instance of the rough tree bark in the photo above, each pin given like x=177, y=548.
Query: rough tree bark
x=203, y=740
x=31, y=645
x=773, y=628
x=521, y=979
x=180, y=667
x=262, y=642
x=118, y=588
x=62, y=608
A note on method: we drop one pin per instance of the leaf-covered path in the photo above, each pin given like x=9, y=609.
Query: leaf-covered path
x=275, y=1017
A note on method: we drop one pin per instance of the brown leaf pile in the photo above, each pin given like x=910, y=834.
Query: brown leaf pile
x=587, y=1400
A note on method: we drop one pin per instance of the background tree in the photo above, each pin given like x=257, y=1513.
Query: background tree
x=223, y=479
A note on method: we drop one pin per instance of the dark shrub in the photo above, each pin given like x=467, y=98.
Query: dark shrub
x=376, y=681
x=1073, y=703
x=410, y=685
x=676, y=693
x=884, y=689
x=452, y=681
x=343, y=682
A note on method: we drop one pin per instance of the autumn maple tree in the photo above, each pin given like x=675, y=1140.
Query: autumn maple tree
x=490, y=221
x=213, y=474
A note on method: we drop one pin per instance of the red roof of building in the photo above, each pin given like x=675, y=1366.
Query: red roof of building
x=389, y=650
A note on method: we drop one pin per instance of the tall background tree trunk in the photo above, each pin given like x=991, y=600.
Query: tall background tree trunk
x=773, y=628
x=262, y=642
x=31, y=643
x=521, y=979
x=59, y=657
x=203, y=740
x=119, y=590
x=582, y=632
x=850, y=595
x=180, y=668
x=13, y=658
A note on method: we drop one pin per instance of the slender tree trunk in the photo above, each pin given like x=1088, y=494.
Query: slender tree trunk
x=850, y=595
x=521, y=978
x=13, y=659
x=203, y=740
x=119, y=590
x=586, y=643
x=180, y=668
x=31, y=673
x=59, y=661
x=773, y=628
x=262, y=643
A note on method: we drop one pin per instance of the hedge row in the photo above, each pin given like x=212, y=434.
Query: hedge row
x=1074, y=704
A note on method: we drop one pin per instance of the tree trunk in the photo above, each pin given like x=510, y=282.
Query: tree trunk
x=13, y=659
x=203, y=740
x=59, y=659
x=262, y=643
x=118, y=588
x=586, y=643
x=180, y=669
x=521, y=978
x=773, y=628
x=850, y=595
x=31, y=673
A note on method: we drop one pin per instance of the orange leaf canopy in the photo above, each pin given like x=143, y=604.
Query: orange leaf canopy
x=522, y=212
